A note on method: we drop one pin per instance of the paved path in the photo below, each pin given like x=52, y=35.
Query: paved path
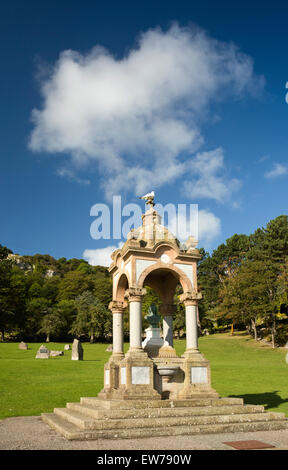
x=31, y=433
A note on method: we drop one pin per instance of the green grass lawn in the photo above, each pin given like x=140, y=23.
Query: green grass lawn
x=239, y=366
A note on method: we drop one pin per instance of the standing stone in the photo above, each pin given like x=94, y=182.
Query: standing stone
x=77, y=351
x=43, y=353
x=23, y=345
x=67, y=347
x=110, y=348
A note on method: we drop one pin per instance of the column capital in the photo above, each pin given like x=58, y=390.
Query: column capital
x=135, y=294
x=117, y=306
x=190, y=298
x=167, y=309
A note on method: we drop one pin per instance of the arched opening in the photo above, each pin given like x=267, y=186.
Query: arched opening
x=121, y=287
x=164, y=280
x=150, y=297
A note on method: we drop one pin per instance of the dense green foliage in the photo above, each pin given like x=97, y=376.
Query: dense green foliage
x=40, y=297
x=245, y=282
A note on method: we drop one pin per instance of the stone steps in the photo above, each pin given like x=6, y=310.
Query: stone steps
x=97, y=413
x=97, y=419
x=84, y=422
x=72, y=432
x=142, y=404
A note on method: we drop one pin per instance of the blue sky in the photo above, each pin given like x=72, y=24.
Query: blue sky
x=227, y=125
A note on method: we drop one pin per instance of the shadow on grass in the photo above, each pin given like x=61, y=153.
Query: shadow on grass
x=268, y=399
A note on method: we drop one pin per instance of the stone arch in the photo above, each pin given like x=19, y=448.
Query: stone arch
x=164, y=279
x=121, y=286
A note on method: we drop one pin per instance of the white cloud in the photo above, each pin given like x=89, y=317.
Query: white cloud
x=209, y=227
x=70, y=174
x=138, y=118
x=101, y=256
x=206, y=182
x=202, y=224
x=277, y=170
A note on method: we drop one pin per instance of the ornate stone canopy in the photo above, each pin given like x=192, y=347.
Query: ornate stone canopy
x=152, y=256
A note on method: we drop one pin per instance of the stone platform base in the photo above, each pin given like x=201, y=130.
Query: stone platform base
x=94, y=418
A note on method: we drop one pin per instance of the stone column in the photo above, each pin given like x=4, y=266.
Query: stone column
x=117, y=309
x=167, y=310
x=134, y=296
x=190, y=300
x=191, y=326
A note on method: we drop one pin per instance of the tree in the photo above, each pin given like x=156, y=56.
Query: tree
x=282, y=283
x=102, y=289
x=73, y=284
x=215, y=269
x=36, y=309
x=4, y=252
x=251, y=294
x=271, y=243
x=52, y=323
x=93, y=319
x=6, y=314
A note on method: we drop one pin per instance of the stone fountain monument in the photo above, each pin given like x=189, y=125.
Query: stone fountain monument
x=150, y=390
x=152, y=257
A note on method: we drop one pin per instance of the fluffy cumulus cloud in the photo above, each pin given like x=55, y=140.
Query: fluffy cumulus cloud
x=101, y=256
x=209, y=227
x=139, y=117
x=201, y=223
x=208, y=177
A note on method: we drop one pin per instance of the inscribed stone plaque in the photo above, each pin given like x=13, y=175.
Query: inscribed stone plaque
x=123, y=375
x=140, y=375
x=199, y=375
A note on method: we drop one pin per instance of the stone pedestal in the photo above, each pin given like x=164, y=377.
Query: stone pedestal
x=130, y=378
x=137, y=377
x=197, y=377
x=153, y=341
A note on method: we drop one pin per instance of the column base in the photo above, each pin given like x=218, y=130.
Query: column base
x=197, y=382
x=133, y=380
x=193, y=353
x=136, y=352
x=116, y=357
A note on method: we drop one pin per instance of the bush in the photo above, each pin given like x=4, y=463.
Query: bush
x=281, y=337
